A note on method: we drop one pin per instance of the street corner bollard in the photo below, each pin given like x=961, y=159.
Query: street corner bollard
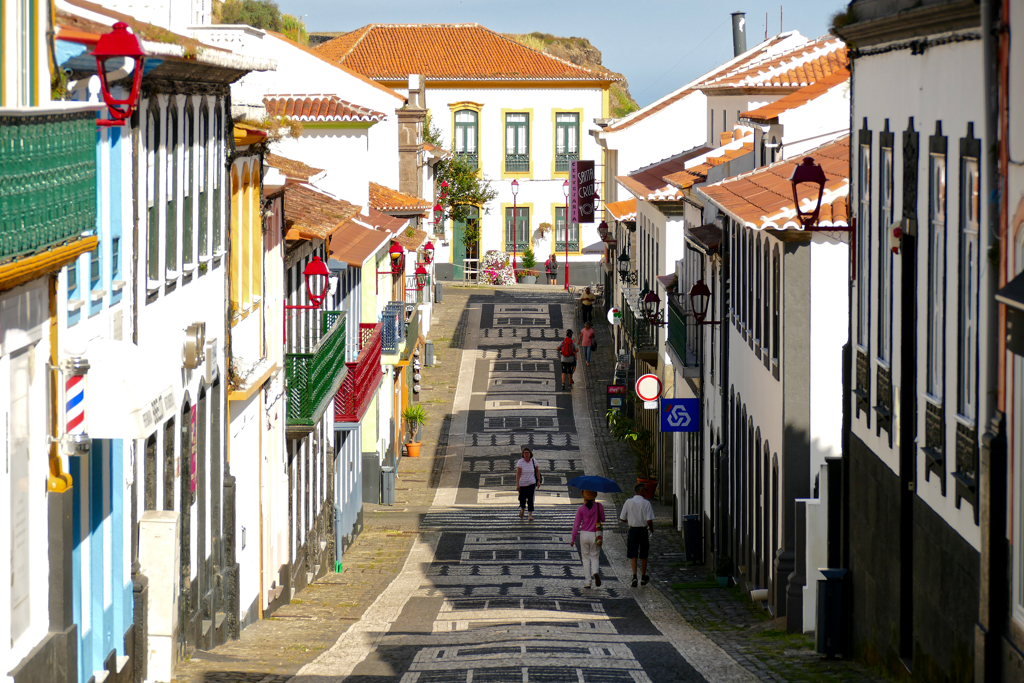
x=829, y=636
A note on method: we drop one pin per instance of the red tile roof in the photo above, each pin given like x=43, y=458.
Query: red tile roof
x=386, y=200
x=382, y=221
x=650, y=184
x=310, y=214
x=354, y=243
x=624, y=211
x=763, y=199
x=699, y=172
x=770, y=112
x=794, y=68
x=292, y=169
x=319, y=108
x=391, y=52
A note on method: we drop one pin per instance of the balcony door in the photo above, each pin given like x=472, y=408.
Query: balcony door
x=466, y=243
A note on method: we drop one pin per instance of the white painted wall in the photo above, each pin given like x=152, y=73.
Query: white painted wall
x=176, y=16
x=950, y=91
x=819, y=121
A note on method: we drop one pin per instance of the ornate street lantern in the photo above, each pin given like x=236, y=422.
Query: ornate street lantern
x=397, y=254
x=651, y=304
x=624, y=265
x=111, y=50
x=602, y=230
x=810, y=173
x=316, y=275
x=428, y=250
x=438, y=213
x=700, y=298
x=421, y=277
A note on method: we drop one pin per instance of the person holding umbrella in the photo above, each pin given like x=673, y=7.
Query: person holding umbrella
x=589, y=517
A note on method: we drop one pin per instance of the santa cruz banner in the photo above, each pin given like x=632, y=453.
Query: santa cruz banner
x=581, y=195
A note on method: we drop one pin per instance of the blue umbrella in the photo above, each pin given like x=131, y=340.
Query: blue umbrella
x=592, y=483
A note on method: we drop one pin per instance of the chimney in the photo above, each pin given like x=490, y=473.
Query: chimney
x=411, y=118
x=739, y=33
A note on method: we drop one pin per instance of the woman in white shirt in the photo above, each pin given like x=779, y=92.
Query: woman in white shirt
x=527, y=479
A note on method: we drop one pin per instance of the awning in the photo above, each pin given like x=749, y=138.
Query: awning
x=125, y=397
x=595, y=248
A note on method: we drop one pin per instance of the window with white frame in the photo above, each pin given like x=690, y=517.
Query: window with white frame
x=863, y=245
x=152, y=189
x=885, y=190
x=967, y=359
x=574, y=232
x=936, y=274
x=218, y=175
x=517, y=143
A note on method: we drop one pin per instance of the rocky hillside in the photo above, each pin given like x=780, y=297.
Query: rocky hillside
x=579, y=51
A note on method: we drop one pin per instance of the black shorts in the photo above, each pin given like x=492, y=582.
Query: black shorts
x=568, y=368
x=638, y=543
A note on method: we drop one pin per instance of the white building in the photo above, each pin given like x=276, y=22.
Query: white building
x=517, y=113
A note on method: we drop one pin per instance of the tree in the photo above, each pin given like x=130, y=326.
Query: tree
x=460, y=186
x=262, y=14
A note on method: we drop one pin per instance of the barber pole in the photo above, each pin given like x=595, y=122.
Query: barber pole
x=74, y=402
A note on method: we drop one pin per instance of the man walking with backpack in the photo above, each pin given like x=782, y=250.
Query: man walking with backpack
x=568, y=352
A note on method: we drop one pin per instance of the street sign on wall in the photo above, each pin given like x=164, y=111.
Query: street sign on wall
x=616, y=396
x=680, y=414
x=581, y=192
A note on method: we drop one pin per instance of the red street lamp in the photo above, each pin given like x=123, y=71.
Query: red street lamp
x=316, y=275
x=397, y=254
x=421, y=277
x=515, y=226
x=428, y=250
x=700, y=297
x=810, y=173
x=565, y=191
x=602, y=231
x=119, y=44
x=438, y=213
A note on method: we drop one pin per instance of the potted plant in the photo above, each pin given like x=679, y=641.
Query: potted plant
x=528, y=276
x=414, y=416
x=543, y=229
x=723, y=569
x=640, y=442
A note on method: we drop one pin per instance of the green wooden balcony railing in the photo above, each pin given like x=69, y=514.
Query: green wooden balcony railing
x=681, y=335
x=314, y=378
x=47, y=180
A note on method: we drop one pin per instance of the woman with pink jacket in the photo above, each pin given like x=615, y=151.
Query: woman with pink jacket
x=589, y=518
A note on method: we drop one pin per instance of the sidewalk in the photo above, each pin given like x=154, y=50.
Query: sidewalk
x=274, y=649
x=726, y=616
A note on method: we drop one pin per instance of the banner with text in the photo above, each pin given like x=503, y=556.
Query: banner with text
x=581, y=192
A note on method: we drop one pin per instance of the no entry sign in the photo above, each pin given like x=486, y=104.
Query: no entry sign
x=648, y=387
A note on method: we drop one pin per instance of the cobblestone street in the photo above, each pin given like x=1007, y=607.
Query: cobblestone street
x=449, y=584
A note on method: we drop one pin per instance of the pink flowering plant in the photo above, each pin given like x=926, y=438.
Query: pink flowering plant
x=497, y=268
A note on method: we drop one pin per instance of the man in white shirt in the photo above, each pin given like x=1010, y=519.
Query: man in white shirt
x=639, y=515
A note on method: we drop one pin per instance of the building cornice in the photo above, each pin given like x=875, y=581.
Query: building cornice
x=912, y=23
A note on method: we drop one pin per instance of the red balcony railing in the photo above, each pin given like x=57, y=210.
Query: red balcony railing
x=363, y=378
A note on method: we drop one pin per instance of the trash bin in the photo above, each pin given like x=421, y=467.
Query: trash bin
x=438, y=296
x=692, y=538
x=428, y=353
x=387, y=485
x=830, y=613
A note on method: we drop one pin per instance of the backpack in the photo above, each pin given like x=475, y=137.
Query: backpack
x=568, y=348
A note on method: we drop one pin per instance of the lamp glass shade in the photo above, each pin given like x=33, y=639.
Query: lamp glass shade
x=810, y=174
x=111, y=52
x=515, y=187
x=397, y=254
x=623, y=264
x=428, y=250
x=316, y=275
x=602, y=230
x=651, y=304
x=565, y=188
x=700, y=297
x=421, y=276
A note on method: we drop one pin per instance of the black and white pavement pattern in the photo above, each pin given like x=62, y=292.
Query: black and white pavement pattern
x=487, y=597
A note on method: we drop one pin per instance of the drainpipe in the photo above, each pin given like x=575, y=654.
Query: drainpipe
x=723, y=373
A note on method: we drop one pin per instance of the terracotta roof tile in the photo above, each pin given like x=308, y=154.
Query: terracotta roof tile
x=698, y=173
x=707, y=237
x=411, y=242
x=292, y=169
x=382, y=221
x=624, y=211
x=770, y=112
x=354, y=243
x=795, y=68
x=386, y=200
x=446, y=52
x=649, y=183
x=319, y=108
x=763, y=199
x=310, y=214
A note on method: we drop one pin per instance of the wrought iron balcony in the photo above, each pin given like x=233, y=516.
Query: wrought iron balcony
x=517, y=163
x=682, y=340
x=314, y=378
x=363, y=378
x=472, y=159
x=393, y=327
x=643, y=337
x=574, y=246
x=520, y=248
x=563, y=162
x=47, y=178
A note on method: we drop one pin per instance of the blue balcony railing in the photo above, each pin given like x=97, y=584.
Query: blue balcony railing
x=392, y=332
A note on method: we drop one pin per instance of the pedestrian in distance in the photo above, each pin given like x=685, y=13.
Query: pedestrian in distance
x=589, y=518
x=587, y=305
x=638, y=514
x=587, y=341
x=567, y=353
x=552, y=265
x=528, y=478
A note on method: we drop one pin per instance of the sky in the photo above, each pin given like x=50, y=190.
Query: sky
x=658, y=45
